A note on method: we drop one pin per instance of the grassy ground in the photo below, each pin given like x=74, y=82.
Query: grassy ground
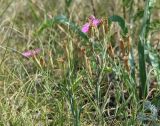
x=107, y=77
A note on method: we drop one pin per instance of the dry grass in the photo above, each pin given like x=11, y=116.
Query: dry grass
x=73, y=81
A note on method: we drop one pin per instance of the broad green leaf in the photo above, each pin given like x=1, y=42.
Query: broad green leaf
x=120, y=21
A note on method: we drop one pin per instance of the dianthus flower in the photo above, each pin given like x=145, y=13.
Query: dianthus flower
x=31, y=53
x=93, y=22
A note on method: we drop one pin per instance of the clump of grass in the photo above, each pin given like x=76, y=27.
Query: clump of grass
x=70, y=77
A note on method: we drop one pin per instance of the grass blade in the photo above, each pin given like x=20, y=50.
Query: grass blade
x=62, y=20
x=143, y=90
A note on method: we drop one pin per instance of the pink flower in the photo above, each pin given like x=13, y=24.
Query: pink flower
x=86, y=27
x=31, y=53
x=92, y=22
x=95, y=22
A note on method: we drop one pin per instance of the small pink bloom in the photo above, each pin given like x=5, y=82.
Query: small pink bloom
x=86, y=27
x=31, y=53
x=92, y=22
x=96, y=22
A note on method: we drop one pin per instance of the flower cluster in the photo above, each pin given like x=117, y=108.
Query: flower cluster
x=93, y=22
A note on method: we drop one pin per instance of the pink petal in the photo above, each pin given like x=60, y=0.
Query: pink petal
x=91, y=18
x=86, y=27
x=31, y=53
x=96, y=22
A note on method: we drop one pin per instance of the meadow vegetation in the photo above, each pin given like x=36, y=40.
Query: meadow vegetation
x=79, y=62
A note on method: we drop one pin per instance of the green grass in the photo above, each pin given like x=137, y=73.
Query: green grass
x=109, y=76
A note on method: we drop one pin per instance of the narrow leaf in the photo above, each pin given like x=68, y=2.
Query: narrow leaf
x=120, y=21
x=62, y=20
